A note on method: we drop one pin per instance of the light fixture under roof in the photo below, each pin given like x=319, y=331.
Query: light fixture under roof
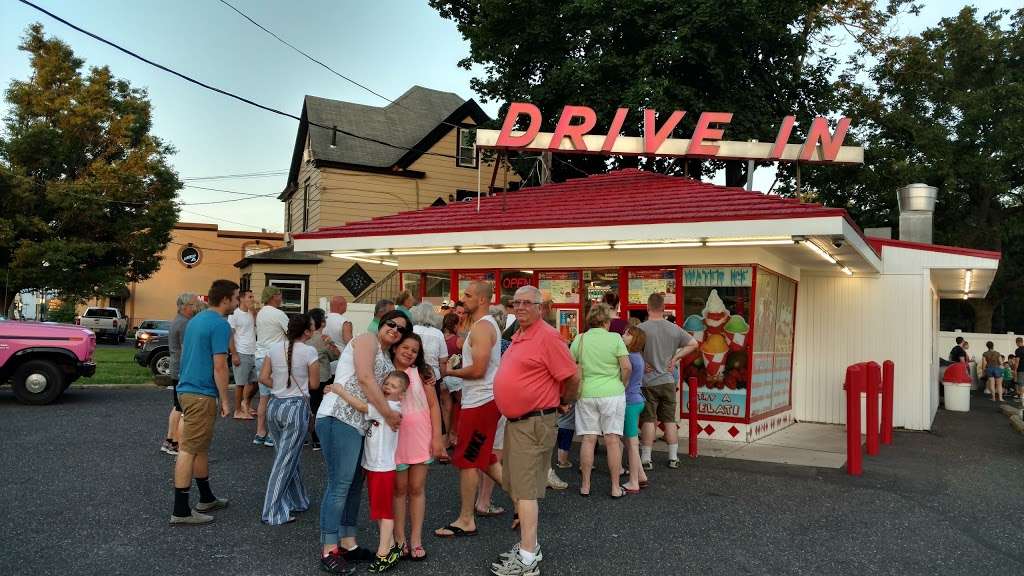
x=570, y=247
x=819, y=251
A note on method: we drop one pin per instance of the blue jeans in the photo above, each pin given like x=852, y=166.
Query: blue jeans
x=342, y=447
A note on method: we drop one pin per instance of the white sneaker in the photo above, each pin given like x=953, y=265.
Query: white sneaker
x=506, y=556
x=515, y=567
x=554, y=482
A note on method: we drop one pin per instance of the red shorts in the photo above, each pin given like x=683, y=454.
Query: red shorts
x=381, y=488
x=476, y=437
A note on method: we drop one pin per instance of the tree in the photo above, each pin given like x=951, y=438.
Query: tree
x=760, y=59
x=945, y=107
x=87, y=191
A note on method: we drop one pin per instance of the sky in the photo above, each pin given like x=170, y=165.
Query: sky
x=387, y=45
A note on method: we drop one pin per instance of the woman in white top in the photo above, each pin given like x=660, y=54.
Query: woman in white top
x=291, y=370
x=363, y=365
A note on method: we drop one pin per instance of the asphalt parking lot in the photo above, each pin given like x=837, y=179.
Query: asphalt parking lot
x=84, y=490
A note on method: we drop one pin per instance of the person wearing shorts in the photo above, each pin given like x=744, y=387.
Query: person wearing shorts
x=478, y=419
x=379, y=446
x=186, y=309
x=634, y=339
x=271, y=327
x=243, y=354
x=666, y=344
x=203, y=383
x=601, y=409
x=537, y=376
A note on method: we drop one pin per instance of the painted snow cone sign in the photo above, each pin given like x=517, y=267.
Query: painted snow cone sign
x=714, y=345
x=736, y=332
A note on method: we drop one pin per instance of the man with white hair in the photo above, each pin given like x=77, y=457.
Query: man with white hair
x=338, y=328
x=537, y=375
x=187, y=307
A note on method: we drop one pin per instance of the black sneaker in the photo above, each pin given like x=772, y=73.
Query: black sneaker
x=333, y=563
x=382, y=563
x=357, y=554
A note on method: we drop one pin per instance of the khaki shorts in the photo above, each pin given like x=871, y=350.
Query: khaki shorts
x=198, y=415
x=660, y=403
x=527, y=456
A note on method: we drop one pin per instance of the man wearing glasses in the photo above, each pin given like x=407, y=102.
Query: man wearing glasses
x=536, y=376
x=478, y=420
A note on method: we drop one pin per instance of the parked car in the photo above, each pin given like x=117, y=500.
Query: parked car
x=105, y=323
x=154, y=354
x=150, y=330
x=42, y=360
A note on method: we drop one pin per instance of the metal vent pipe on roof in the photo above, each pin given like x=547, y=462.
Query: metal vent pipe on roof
x=917, y=211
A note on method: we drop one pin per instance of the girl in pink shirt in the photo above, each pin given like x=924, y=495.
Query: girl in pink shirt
x=419, y=442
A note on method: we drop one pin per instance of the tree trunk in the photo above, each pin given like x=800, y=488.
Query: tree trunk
x=983, y=311
x=735, y=173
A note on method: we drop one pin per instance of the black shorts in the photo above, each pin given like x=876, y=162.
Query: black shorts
x=177, y=405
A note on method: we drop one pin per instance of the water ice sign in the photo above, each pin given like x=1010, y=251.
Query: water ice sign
x=718, y=277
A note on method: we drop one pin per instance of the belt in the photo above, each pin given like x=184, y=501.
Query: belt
x=528, y=415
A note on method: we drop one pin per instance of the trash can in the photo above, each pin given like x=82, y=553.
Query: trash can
x=956, y=387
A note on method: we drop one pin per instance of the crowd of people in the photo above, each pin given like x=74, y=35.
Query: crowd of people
x=1003, y=375
x=490, y=389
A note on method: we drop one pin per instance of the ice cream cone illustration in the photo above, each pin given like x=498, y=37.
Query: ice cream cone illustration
x=715, y=313
x=736, y=332
x=714, y=350
x=694, y=324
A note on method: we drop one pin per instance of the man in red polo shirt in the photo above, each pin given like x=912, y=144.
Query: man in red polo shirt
x=536, y=376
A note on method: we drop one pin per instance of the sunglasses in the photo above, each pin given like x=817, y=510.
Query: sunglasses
x=396, y=326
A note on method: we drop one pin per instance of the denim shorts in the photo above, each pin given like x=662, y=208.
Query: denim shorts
x=264, y=390
x=994, y=372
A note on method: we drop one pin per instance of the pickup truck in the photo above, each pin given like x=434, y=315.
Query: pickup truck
x=155, y=354
x=105, y=323
x=42, y=360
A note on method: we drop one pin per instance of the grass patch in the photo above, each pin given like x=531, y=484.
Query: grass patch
x=117, y=366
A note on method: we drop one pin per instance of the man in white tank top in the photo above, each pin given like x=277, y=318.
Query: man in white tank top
x=478, y=421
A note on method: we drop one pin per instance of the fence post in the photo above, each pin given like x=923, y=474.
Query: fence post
x=874, y=384
x=694, y=426
x=888, y=376
x=855, y=384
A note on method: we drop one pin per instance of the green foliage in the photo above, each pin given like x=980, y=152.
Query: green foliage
x=65, y=313
x=945, y=108
x=88, y=192
x=761, y=59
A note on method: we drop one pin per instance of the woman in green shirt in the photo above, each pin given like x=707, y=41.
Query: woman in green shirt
x=600, y=411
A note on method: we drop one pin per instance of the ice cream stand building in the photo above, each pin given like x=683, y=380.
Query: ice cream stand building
x=782, y=295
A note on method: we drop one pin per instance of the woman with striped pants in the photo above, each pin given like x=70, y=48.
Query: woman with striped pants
x=291, y=369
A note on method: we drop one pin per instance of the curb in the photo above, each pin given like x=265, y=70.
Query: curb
x=1009, y=410
x=146, y=386
x=1017, y=423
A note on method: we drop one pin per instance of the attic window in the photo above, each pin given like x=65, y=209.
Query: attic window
x=466, y=148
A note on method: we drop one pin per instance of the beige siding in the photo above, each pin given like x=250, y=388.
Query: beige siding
x=323, y=277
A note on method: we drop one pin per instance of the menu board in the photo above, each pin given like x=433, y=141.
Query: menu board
x=643, y=283
x=465, y=278
x=567, y=320
x=562, y=287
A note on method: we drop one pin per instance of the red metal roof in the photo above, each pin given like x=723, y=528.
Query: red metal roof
x=878, y=243
x=618, y=198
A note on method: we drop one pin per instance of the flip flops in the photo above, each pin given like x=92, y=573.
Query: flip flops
x=491, y=511
x=456, y=532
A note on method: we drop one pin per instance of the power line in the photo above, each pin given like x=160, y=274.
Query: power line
x=325, y=66
x=225, y=92
x=247, y=175
x=221, y=219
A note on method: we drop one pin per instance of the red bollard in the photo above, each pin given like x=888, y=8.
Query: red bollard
x=874, y=382
x=888, y=379
x=694, y=426
x=855, y=383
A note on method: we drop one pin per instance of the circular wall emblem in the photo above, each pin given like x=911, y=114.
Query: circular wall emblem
x=190, y=256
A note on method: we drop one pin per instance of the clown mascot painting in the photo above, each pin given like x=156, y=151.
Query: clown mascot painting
x=721, y=359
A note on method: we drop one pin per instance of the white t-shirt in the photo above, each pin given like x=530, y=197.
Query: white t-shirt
x=434, y=347
x=480, y=391
x=381, y=441
x=333, y=327
x=243, y=327
x=509, y=321
x=303, y=356
x=271, y=327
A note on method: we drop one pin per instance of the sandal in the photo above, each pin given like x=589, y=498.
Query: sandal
x=622, y=492
x=491, y=511
x=405, y=551
x=456, y=532
x=420, y=558
x=644, y=484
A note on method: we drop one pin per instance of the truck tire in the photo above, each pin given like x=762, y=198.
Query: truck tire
x=160, y=363
x=38, y=382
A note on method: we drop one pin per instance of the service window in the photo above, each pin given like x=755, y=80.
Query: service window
x=437, y=286
x=601, y=281
x=465, y=278
x=411, y=282
x=561, y=287
x=643, y=283
x=512, y=280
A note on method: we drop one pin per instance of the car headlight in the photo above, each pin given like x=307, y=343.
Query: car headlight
x=145, y=336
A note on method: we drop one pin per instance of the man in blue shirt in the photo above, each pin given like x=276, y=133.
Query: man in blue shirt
x=203, y=379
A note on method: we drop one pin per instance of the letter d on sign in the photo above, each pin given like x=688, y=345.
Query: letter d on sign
x=515, y=110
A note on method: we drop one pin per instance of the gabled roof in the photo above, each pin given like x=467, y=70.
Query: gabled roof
x=284, y=255
x=417, y=120
x=622, y=197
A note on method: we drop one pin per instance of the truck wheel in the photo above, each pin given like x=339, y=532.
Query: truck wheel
x=160, y=364
x=38, y=382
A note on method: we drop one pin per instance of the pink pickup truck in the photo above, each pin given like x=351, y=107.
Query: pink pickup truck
x=42, y=360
